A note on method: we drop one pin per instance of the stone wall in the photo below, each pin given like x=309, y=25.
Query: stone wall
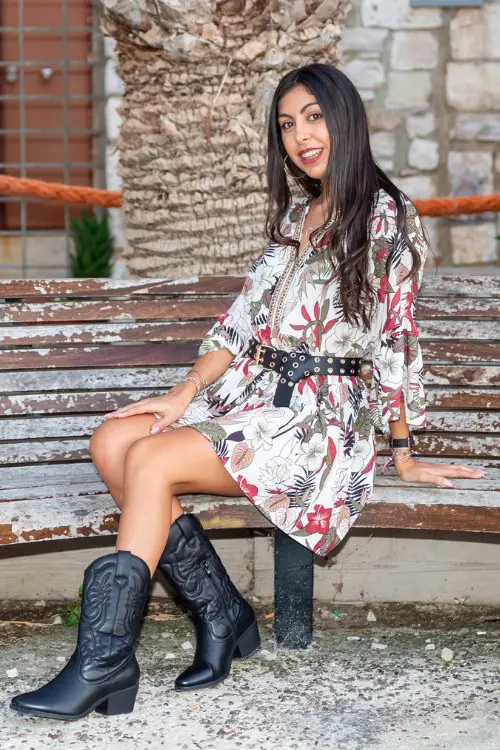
x=198, y=79
x=430, y=79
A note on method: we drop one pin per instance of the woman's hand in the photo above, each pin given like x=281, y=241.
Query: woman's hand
x=412, y=470
x=171, y=406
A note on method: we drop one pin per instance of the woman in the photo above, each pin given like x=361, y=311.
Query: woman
x=274, y=408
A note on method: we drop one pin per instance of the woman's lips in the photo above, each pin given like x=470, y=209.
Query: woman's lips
x=311, y=159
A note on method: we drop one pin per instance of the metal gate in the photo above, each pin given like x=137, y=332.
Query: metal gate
x=52, y=124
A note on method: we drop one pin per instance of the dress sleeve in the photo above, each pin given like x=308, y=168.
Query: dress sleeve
x=233, y=329
x=397, y=355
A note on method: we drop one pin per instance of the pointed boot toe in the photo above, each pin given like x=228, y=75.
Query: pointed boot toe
x=225, y=623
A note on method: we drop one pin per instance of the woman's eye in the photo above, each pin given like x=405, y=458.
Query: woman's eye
x=316, y=114
x=283, y=126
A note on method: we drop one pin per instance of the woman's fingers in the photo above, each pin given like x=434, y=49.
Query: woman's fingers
x=141, y=407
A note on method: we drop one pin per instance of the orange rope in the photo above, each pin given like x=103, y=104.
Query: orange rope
x=87, y=196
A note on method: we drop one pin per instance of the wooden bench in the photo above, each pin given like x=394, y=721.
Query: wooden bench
x=72, y=350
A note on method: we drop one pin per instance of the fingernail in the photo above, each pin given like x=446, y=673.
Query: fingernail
x=154, y=429
x=447, y=483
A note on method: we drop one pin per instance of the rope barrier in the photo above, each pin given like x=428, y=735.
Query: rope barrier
x=88, y=196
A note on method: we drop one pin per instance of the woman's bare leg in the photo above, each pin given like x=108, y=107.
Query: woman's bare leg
x=108, y=447
x=157, y=467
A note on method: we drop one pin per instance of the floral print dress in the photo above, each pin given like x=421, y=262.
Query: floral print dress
x=309, y=467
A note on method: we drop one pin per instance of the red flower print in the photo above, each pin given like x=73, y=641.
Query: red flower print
x=319, y=520
x=382, y=290
x=250, y=490
x=265, y=336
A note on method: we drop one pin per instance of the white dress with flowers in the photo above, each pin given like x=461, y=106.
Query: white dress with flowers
x=309, y=467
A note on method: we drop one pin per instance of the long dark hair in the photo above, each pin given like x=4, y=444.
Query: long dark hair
x=353, y=180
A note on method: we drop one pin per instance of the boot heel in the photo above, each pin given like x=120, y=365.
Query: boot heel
x=119, y=703
x=248, y=642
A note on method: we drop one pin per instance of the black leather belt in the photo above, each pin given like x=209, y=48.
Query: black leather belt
x=297, y=365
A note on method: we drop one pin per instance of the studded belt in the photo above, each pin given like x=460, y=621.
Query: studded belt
x=294, y=366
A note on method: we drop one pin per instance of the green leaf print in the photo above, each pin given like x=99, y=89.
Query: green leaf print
x=211, y=429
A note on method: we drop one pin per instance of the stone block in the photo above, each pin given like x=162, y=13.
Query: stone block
x=474, y=243
x=470, y=172
x=475, y=34
x=420, y=125
x=417, y=186
x=408, y=90
x=365, y=73
x=397, y=14
x=473, y=86
x=477, y=127
x=383, y=119
x=414, y=50
x=383, y=145
x=423, y=154
x=363, y=41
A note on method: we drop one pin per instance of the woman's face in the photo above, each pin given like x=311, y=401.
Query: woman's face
x=304, y=132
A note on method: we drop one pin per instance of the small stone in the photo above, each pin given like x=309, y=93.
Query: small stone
x=61, y=658
x=473, y=86
x=12, y=672
x=413, y=50
x=40, y=603
x=187, y=645
x=371, y=617
x=57, y=620
x=170, y=655
x=430, y=647
x=447, y=654
x=165, y=635
x=409, y=89
x=423, y=154
x=268, y=656
x=482, y=632
x=365, y=73
x=353, y=638
x=379, y=646
x=420, y=125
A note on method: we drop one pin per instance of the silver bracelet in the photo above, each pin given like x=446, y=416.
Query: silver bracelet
x=193, y=380
x=205, y=383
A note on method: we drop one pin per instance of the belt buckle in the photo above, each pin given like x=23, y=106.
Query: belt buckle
x=259, y=354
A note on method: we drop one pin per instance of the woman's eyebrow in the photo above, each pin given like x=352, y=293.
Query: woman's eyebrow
x=309, y=104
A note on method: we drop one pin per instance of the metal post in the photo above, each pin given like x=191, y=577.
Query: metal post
x=293, y=592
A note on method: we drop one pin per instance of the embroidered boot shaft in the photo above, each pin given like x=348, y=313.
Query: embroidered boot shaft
x=224, y=621
x=102, y=673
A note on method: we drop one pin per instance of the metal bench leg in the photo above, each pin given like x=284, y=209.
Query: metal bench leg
x=293, y=592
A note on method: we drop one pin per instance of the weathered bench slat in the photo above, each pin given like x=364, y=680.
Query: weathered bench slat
x=87, y=288
x=53, y=450
x=432, y=285
x=74, y=425
x=171, y=309
x=104, y=401
x=151, y=333
x=35, y=481
x=461, y=376
x=135, y=309
x=174, y=353
x=90, y=515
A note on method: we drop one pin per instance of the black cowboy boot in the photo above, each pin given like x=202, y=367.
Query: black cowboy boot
x=224, y=621
x=102, y=674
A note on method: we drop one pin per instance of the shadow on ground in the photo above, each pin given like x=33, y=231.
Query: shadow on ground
x=380, y=684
